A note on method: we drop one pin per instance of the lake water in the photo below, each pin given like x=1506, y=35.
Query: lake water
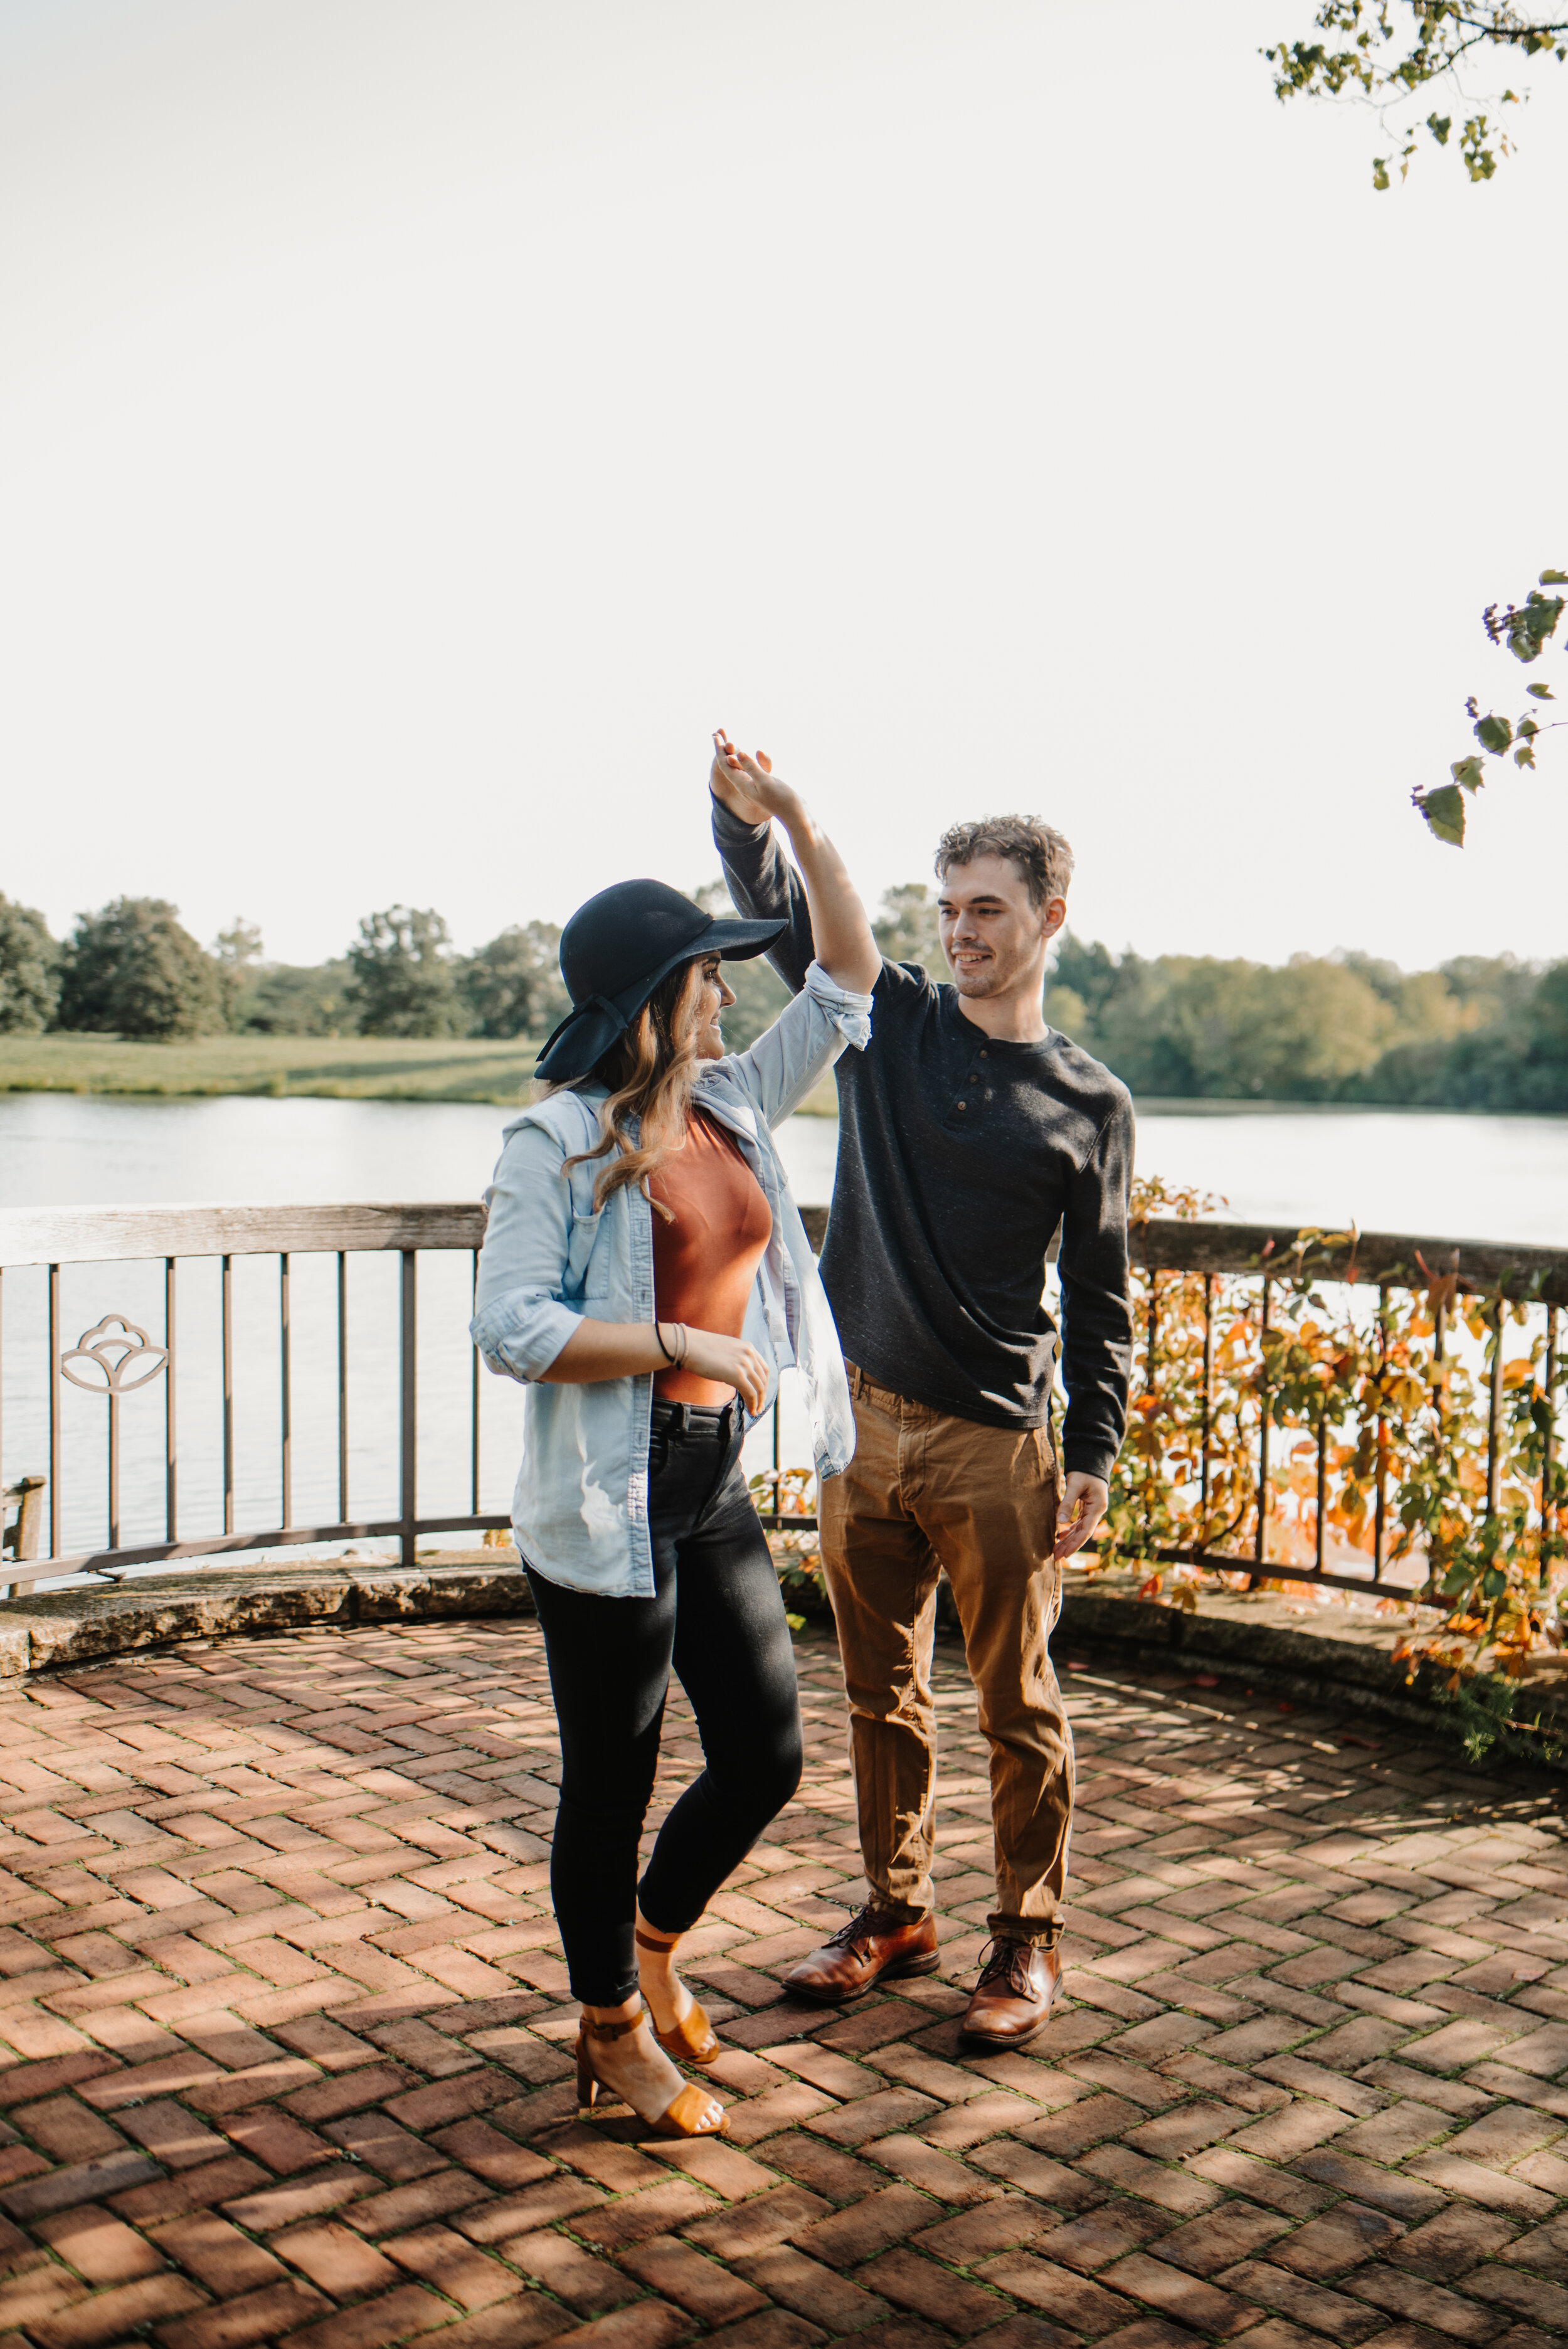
x=1499, y=1178
x=1451, y=1176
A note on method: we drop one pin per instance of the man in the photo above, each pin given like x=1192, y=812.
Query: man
x=968, y=1133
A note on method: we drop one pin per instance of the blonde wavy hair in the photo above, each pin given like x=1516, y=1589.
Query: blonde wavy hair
x=650, y=1071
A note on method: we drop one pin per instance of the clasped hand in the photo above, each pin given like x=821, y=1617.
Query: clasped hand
x=747, y=786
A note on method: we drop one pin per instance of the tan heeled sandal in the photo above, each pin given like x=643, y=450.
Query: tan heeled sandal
x=682, y=2117
x=693, y=2039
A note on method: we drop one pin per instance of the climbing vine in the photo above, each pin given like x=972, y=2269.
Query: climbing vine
x=1365, y=1390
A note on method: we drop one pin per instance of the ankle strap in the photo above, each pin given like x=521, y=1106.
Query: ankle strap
x=592, y=2030
x=654, y=1941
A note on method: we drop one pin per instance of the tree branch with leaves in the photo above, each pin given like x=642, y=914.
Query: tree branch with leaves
x=1382, y=52
x=1526, y=629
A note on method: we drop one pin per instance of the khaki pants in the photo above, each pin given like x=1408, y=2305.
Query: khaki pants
x=925, y=1490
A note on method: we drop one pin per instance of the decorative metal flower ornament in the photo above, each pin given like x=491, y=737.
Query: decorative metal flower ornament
x=112, y=1346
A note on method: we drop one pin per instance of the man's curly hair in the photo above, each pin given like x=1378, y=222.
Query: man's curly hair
x=1041, y=857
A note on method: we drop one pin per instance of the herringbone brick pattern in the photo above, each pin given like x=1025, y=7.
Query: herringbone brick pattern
x=284, y=2021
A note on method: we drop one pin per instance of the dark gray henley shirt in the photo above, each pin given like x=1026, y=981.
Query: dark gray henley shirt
x=958, y=1158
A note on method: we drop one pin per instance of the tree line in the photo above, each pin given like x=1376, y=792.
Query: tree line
x=1478, y=1032
x=133, y=971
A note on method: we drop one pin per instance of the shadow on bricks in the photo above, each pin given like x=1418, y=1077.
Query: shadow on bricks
x=285, y=2033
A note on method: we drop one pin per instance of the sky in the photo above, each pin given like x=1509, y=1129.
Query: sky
x=423, y=421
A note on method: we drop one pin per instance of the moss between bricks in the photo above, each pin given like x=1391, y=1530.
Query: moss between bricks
x=1257, y=1636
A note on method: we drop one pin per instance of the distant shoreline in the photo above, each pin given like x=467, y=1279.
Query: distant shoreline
x=1236, y=1106
x=495, y=1072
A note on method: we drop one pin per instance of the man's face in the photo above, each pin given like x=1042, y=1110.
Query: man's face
x=994, y=938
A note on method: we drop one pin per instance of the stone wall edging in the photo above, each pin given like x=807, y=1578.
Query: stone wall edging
x=1307, y=1665
x=61, y=1630
x=56, y=1629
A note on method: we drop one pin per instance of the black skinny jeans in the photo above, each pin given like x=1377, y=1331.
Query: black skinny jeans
x=718, y=1616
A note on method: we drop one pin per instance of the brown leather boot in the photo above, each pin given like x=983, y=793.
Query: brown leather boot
x=872, y=1945
x=1019, y=1984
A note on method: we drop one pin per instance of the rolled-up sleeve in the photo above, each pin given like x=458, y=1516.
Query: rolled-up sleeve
x=519, y=1323
x=808, y=1035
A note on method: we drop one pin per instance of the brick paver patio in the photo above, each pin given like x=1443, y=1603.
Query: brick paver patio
x=286, y=2028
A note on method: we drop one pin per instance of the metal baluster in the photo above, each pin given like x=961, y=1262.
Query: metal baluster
x=1549, y=1458
x=1260, y=1543
x=284, y=1399
x=56, y=1395
x=1494, y=1416
x=227, y=1394
x=1322, y=1485
x=171, y=1465
x=1380, y=1501
x=1151, y=1473
x=408, y=1424
x=474, y=1375
x=342, y=1386
x=1203, y=1497
x=114, y=1467
x=5, y=1587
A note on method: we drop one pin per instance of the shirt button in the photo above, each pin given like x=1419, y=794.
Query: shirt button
x=963, y=1104
x=988, y=1093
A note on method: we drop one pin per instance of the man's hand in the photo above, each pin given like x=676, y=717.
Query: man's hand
x=1084, y=1502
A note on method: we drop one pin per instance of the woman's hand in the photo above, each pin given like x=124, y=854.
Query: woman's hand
x=729, y=1362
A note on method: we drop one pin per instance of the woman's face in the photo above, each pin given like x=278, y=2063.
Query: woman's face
x=708, y=1000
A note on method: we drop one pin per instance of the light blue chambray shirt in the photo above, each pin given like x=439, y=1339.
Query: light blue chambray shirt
x=580, y=1510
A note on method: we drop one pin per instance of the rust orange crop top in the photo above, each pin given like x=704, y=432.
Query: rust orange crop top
x=705, y=1260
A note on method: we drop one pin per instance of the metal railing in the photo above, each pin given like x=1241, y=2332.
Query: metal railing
x=120, y=1360
x=1274, y=1259
x=1280, y=1265
x=117, y=1359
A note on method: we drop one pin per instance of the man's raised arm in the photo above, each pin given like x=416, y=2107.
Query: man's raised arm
x=760, y=878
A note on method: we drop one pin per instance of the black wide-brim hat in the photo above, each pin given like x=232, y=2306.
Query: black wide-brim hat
x=615, y=951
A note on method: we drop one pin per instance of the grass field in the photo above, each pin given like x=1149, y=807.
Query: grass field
x=345, y=1068
x=365, y=1067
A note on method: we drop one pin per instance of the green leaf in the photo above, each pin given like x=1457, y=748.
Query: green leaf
x=1554, y=579
x=1493, y=734
x=1379, y=170
x=1468, y=771
x=1524, y=756
x=1445, y=813
x=1542, y=692
x=1439, y=125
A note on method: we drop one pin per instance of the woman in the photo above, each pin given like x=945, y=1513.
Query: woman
x=645, y=1271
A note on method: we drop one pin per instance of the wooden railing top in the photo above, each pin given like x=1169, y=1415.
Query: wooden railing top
x=130, y=1235
x=1164, y=1243
x=1403, y=1259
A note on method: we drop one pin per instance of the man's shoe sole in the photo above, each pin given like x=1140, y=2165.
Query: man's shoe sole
x=925, y=1963
x=1000, y=2043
